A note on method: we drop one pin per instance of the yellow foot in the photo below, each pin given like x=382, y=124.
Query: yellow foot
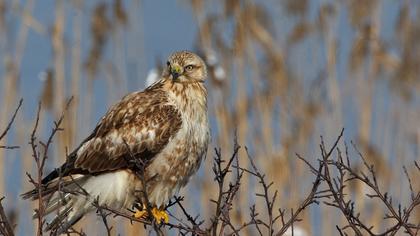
x=159, y=215
x=140, y=214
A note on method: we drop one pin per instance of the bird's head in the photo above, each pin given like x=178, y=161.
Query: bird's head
x=185, y=66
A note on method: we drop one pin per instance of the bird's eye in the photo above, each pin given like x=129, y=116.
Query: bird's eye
x=167, y=63
x=189, y=68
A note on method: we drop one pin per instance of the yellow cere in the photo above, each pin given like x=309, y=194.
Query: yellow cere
x=176, y=69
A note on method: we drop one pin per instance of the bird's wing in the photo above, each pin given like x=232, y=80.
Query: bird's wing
x=140, y=125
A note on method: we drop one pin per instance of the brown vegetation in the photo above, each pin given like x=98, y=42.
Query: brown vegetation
x=281, y=74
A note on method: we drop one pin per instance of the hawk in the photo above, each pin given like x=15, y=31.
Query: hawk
x=165, y=128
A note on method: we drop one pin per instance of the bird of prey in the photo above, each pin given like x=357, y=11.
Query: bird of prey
x=165, y=128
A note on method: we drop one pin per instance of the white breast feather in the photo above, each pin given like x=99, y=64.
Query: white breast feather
x=194, y=129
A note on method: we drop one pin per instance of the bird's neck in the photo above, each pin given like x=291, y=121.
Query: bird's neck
x=187, y=96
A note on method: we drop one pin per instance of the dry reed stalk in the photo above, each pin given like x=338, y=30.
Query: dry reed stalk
x=12, y=64
x=120, y=83
x=240, y=118
x=217, y=107
x=59, y=77
x=9, y=96
x=22, y=35
x=76, y=71
x=136, y=57
x=334, y=96
x=367, y=112
x=284, y=90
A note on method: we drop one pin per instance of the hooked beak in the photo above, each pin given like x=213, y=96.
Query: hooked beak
x=175, y=71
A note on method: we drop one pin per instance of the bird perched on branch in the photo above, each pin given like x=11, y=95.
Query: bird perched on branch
x=144, y=149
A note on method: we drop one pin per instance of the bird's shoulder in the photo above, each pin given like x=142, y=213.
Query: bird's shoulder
x=140, y=124
x=134, y=107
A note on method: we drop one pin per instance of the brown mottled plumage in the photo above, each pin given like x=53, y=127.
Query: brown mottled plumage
x=165, y=126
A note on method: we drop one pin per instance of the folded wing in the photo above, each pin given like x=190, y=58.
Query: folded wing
x=140, y=125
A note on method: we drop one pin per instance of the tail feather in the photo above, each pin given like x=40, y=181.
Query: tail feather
x=69, y=207
x=59, y=219
x=55, y=203
x=46, y=190
x=66, y=218
x=70, y=198
x=53, y=186
x=61, y=196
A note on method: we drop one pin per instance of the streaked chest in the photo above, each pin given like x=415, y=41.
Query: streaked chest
x=182, y=156
x=194, y=132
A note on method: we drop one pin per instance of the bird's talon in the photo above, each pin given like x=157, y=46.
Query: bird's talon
x=159, y=215
x=140, y=214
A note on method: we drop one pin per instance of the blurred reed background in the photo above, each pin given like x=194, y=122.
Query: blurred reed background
x=282, y=73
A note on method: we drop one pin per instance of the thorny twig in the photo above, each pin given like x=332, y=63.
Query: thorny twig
x=103, y=215
x=140, y=166
x=40, y=158
x=6, y=228
x=223, y=200
x=334, y=195
x=222, y=224
x=9, y=125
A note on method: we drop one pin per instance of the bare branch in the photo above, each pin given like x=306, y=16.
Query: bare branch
x=9, y=125
x=6, y=228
